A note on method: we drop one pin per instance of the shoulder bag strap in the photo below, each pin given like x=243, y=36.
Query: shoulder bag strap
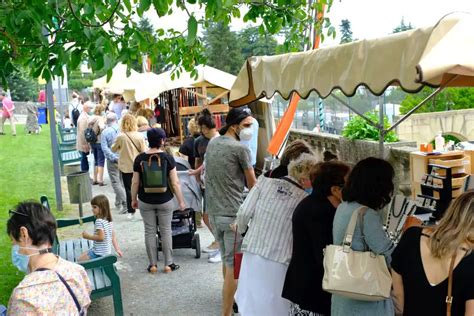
x=351, y=227
x=449, y=297
x=292, y=182
x=74, y=298
x=136, y=147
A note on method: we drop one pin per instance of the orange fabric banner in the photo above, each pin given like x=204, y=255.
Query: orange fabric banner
x=286, y=121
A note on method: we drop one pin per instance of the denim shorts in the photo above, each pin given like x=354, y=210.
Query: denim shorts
x=92, y=254
x=226, y=238
x=99, y=157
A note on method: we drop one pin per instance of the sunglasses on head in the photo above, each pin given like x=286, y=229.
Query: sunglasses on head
x=12, y=212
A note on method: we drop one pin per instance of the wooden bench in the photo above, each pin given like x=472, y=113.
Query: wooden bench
x=67, y=135
x=67, y=156
x=101, y=271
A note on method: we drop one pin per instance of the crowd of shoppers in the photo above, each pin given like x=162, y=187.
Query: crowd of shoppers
x=282, y=227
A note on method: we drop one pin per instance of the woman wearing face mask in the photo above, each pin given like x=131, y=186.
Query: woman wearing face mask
x=52, y=285
x=267, y=245
x=312, y=232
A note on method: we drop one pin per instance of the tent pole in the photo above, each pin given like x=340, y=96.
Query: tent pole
x=437, y=91
x=381, y=129
x=428, y=98
x=355, y=111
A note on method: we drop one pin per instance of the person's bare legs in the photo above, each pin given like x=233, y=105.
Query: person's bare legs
x=205, y=218
x=228, y=292
x=100, y=174
x=96, y=171
x=84, y=256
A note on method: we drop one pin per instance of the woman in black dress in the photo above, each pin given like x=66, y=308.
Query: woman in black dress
x=422, y=260
x=312, y=232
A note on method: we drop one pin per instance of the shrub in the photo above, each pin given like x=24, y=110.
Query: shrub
x=358, y=128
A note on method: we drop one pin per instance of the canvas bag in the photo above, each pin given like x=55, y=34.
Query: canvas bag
x=360, y=275
x=154, y=174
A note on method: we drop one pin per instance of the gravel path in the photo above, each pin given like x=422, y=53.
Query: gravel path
x=194, y=289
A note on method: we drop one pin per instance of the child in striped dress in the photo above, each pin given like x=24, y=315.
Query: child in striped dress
x=104, y=234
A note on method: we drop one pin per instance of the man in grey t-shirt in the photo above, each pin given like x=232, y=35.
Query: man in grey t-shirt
x=228, y=166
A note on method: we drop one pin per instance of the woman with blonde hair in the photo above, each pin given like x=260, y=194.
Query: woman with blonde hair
x=267, y=246
x=425, y=258
x=97, y=123
x=129, y=144
x=187, y=148
x=292, y=151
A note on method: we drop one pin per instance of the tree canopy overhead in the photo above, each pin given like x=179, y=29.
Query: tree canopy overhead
x=45, y=35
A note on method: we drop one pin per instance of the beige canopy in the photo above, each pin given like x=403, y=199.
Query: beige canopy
x=119, y=80
x=215, y=80
x=430, y=56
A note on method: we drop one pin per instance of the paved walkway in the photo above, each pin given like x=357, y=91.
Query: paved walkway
x=194, y=289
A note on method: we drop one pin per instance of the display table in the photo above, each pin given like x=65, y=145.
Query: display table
x=458, y=160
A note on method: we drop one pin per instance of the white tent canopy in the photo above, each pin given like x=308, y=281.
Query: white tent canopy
x=119, y=80
x=142, y=86
x=215, y=80
x=442, y=55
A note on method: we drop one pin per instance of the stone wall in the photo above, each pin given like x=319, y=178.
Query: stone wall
x=398, y=154
x=423, y=127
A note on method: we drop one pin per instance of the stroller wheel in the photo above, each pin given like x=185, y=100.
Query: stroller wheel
x=197, y=244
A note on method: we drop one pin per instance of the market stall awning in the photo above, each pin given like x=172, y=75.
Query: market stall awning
x=429, y=56
x=119, y=80
x=215, y=80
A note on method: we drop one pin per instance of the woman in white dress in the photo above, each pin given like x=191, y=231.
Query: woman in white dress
x=266, y=216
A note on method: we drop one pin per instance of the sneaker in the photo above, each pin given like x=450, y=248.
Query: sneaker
x=215, y=257
x=124, y=211
x=131, y=216
x=211, y=248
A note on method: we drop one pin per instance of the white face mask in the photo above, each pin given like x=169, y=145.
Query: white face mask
x=246, y=133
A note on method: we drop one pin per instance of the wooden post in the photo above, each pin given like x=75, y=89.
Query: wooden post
x=204, y=92
x=180, y=119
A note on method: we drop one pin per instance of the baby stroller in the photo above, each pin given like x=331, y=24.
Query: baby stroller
x=183, y=224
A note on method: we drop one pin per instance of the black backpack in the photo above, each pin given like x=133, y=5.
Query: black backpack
x=75, y=115
x=90, y=133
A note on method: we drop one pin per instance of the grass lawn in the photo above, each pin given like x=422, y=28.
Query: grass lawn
x=26, y=173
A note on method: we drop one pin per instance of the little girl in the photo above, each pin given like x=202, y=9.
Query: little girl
x=104, y=235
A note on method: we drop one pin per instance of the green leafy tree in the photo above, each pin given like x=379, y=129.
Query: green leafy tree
x=79, y=81
x=254, y=43
x=448, y=99
x=346, y=32
x=223, y=48
x=22, y=86
x=358, y=128
x=43, y=36
x=402, y=27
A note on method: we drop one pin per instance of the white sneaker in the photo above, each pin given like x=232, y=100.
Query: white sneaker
x=211, y=248
x=131, y=216
x=215, y=257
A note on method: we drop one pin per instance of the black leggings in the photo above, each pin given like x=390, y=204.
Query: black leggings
x=127, y=183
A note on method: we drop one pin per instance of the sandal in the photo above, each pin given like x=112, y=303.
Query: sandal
x=171, y=267
x=102, y=184
x=95, y=182
x=152, y=269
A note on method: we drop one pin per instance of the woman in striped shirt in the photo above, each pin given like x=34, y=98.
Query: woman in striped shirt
x=267, y=246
